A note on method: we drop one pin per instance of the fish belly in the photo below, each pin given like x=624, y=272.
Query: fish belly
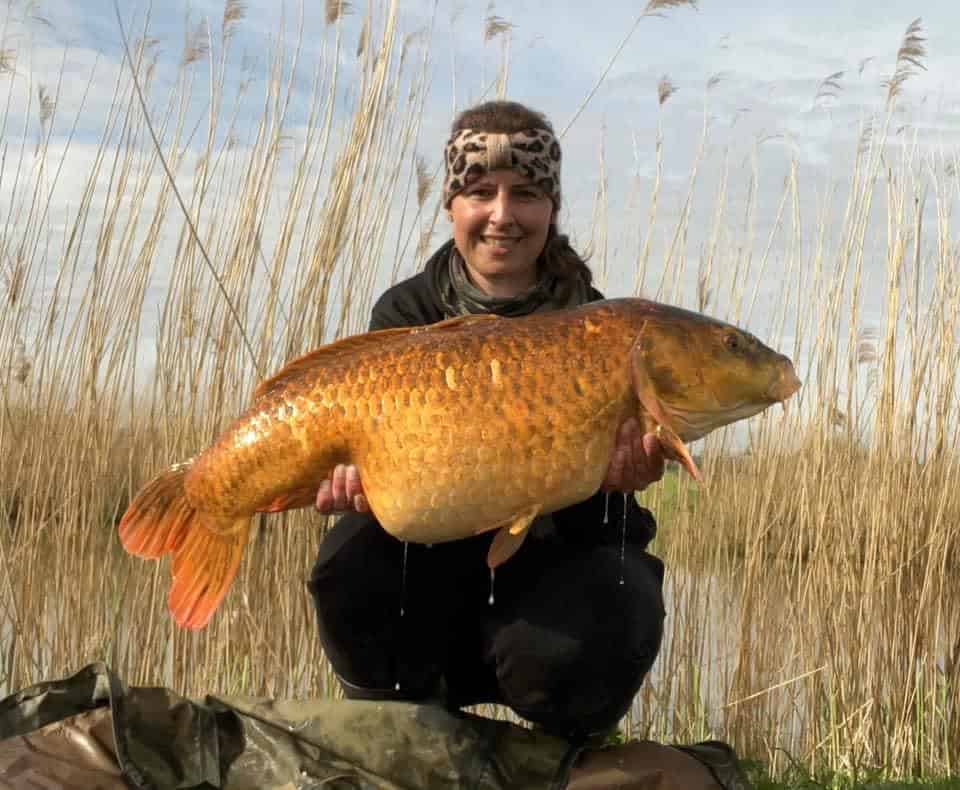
x=473, y=449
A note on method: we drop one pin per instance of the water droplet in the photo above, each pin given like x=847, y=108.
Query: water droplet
x=403, y=595
x=606, y=509
x=490, y=599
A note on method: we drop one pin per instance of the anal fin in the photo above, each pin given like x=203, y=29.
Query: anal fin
x=204, y=567
x=510, y=537
x=291, y=500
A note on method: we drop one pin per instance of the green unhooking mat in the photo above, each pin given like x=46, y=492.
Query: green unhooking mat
x=91, y=731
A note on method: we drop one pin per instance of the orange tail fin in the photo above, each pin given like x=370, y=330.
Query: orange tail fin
x=206, y=548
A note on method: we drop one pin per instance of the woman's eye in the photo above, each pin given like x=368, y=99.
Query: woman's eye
x=732, y=342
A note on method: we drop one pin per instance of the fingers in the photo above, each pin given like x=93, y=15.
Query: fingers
x=343, y=491
x=652, y=451
x=616, y=472
x=338, y=485
x=629, y=429
x=324, y=501
x=621, y=462
x=648, y=460
x=354, y=490
x=637, y=460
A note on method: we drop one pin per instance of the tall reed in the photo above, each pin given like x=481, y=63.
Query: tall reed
x=812, y=611
x=84, y=423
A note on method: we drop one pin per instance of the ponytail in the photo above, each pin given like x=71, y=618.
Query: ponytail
x=566, y=264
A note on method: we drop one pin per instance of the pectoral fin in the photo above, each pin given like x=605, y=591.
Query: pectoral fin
x=510, y=537
x=676, y=450
x=646, y=391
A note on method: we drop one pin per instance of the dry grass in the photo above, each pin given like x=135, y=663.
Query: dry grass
x=813, y=610
x=81, y=431
x=819, y=621
x=665, y=89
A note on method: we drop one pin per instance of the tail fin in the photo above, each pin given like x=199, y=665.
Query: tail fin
x=203, y=570
x=207, y=549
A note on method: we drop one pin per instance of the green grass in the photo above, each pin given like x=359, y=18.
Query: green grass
x=675, y=493
x=673, y=500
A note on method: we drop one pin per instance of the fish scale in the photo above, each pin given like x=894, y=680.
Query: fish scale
x=472, y=424
x=425, y=494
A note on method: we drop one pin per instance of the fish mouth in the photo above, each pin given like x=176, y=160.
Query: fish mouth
x=691, y=424
x=786, y=385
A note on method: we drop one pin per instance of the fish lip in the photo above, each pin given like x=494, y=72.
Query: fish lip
x=786, y=385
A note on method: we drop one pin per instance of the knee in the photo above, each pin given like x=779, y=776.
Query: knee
x=572, y=655
x=556, y=681
x=355, y=585
x=530, y=663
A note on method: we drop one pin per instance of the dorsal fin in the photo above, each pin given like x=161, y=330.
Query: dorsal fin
x=331, y=351
x=460, y=320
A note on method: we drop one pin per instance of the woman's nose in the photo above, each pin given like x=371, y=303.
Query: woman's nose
x=501, y=210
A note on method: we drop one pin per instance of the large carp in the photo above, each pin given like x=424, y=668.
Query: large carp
x=468, y=425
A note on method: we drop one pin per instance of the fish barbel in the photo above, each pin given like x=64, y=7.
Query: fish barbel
x=468, y=425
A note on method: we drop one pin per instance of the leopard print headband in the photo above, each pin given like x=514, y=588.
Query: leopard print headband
x=534, y=153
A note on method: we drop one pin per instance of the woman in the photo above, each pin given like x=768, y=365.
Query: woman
x=571, y=624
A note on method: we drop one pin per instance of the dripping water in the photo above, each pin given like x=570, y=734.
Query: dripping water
x=490, y=599
x=403, y=594
x=606, y=509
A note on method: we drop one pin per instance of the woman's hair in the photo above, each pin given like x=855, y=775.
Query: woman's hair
x=507, y=117
x=564, y=262
x=504, y=117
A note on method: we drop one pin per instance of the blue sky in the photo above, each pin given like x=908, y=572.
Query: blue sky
x=771, y=59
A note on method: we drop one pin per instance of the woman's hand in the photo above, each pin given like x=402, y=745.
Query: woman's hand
x=343, y=491
x=637, y=459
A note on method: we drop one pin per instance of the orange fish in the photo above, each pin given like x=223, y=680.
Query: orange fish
x=473, y=424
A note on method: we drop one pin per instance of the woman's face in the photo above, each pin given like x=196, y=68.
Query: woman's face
x=500, y=225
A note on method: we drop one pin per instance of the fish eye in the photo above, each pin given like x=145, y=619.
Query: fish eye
x=733, y=341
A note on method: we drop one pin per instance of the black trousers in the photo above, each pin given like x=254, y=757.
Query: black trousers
x=574, y=625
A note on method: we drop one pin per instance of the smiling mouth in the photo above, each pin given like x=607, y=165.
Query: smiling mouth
x=501, y=239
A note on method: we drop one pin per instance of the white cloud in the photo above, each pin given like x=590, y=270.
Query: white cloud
x=772, y=62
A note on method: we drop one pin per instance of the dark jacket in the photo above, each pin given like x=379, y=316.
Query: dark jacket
x=564, y=634
x=416, y=302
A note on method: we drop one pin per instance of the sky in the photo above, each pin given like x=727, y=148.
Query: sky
x=753, y=72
